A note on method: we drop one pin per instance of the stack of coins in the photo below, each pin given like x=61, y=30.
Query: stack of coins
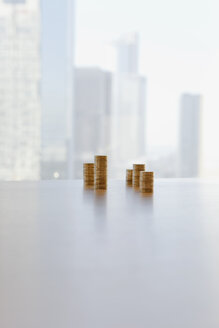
x=147, y=182
x=137, y=168
x=129, y=174
x=88, y=174
x=100, y=172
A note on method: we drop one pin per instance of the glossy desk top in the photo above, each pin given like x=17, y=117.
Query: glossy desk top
x=70, y=258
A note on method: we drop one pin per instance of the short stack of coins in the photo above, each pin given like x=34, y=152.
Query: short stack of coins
x=100, y=172
x=137, y=168
x=129, y=175
x=147, y=182
x=88, y=169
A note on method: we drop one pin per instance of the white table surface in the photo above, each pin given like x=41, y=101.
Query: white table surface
x=72, y=259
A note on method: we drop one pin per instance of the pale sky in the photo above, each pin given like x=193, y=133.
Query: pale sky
x=179, y=53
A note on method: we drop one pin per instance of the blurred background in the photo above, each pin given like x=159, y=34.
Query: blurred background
x=136, y=80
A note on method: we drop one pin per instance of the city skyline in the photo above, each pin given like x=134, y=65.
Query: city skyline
x=40, y=51
x=176, y=58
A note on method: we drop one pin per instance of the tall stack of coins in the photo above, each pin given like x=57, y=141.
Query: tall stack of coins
x=129, y=174
x=147, y=182
x=88, y=174
x=137, y=168
x=100, y=172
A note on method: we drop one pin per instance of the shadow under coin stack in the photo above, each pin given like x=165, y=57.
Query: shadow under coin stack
x=147, y=182
x=129, y=175
x=137, y=168
x=88, y=175
x=100, y=172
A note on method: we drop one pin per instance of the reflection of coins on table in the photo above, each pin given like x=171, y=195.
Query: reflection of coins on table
x=146, y=182
x=88, y=171
x=129, y=175
x=137, y=168
x=100, y=172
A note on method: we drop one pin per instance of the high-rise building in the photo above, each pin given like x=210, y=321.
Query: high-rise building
x=36, y=78
x=20, y=74
x=189, y=135
x=57, y=88
x=92, y=118
x=129, y=105
x=128, y=116
x=127, y=54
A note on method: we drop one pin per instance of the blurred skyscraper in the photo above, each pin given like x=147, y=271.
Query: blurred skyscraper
x=129, y=105
x=92, y=118
x=57, y=85
x=189, y=135
x=110, y=110
x=127, y=54
x=36, y=83
x=20, y=72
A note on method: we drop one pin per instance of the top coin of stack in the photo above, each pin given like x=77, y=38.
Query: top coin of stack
x=100, y=172
x=88, y=169
x=146, y=182
x=129, y=174
x=137, y=168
